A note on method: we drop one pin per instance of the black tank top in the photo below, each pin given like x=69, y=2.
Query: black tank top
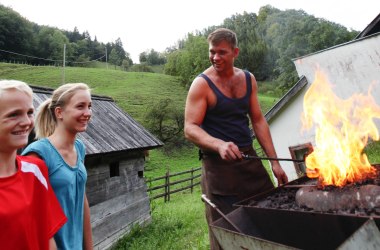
x=228, y=120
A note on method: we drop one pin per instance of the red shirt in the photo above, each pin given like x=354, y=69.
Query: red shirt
x=30, y=213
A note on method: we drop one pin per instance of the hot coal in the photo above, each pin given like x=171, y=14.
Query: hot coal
x=365, y=196
x=367, y=205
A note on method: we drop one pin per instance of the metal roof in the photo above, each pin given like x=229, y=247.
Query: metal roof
x=286, y=98
x=110, y=129
x=372, y=28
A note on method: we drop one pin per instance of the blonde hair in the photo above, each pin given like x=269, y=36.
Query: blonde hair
x=46, y=121
x=6, y=85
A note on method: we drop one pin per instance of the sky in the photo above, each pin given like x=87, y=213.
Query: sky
x=143, y=25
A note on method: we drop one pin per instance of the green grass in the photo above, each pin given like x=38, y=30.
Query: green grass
x=179, y=224
x=373, y=152
x=134, y=92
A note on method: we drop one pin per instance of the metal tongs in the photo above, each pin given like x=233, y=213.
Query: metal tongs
x=250, y=157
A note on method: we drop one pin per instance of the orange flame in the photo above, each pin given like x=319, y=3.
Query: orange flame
x=342, y=130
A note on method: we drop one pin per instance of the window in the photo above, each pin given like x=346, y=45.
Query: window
x=140, y=174
x=114, y=169
x=300, y=152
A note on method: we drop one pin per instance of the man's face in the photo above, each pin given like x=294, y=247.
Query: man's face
x=222, y=56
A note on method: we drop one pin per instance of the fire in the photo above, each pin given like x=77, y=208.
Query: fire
x=342, y=129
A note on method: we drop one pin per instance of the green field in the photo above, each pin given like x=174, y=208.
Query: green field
x=180, y=223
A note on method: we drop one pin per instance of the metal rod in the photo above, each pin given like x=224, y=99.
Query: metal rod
x=299, y=186
x=205, y=199
x=250, y=157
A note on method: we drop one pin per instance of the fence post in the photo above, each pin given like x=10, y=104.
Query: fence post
x=167, y=182
x=192, y=180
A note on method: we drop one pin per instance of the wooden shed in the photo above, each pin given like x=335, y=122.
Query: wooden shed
x=116, y=190
x=351, y=67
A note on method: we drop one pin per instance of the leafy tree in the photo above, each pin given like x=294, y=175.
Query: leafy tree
x=142, y=67
x=50, y=43
x=191, y=60
x=125, y=64
x=16, y=34
x=114, y=58
x=152, y=57
x=165, y=120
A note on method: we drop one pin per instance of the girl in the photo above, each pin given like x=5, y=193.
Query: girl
x=59, y=120
x=29, y=211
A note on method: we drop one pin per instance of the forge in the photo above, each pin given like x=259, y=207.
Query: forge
x=304, y=194
x=329, y=218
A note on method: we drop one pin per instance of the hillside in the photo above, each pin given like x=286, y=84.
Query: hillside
x=134, y=92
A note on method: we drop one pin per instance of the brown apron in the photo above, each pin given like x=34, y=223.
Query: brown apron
x=225, y=181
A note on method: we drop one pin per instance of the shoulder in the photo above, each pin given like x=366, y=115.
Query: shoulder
x=36, y=146
x=31, y=164
x=79, y=143
x=249, y=76
x=199, y=86
x=80, y=146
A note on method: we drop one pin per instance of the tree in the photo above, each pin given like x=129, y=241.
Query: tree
x=114, y=58
x=165, y=120
x=16, y=33
x=152, y=57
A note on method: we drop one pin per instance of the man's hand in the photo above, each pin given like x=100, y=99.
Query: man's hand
x=279, y=173
x=228, y=151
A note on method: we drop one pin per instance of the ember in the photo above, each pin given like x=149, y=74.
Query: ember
x=303, y=195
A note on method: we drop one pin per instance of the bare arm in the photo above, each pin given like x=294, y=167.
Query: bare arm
x=87, y=230
x=52, y=245
x=197, y=102
x=262, y=132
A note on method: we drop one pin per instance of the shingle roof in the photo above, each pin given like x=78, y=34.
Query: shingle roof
x=110, y=129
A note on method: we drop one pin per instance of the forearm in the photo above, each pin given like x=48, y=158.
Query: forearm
x=87, y=229
x=264, y=138
x=201, y=138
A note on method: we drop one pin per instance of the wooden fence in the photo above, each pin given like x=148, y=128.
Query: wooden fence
x=171, y=183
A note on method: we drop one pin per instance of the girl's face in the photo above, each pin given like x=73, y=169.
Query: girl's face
x=16, y=119
x=76, y=114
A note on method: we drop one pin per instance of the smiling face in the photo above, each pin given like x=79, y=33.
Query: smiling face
x=16, y=119
x=75, y=115
x=222, y=55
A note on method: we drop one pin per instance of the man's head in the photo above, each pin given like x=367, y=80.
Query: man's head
x=223, y=34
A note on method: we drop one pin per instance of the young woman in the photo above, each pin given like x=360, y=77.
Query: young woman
x=30, y=213
x=59, y=120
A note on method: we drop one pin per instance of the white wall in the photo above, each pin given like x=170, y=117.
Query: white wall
x=350, y=68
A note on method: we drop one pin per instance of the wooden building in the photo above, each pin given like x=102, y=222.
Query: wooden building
x=116, y=190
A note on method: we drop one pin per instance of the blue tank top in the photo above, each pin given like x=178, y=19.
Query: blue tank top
x=228, y=119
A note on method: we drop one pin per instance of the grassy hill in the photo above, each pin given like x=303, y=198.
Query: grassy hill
x=134, y=92
x=179, y=224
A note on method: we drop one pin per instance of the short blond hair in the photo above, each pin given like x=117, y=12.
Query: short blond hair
x=6, y=85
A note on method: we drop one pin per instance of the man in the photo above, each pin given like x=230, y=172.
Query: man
x=218, y=105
